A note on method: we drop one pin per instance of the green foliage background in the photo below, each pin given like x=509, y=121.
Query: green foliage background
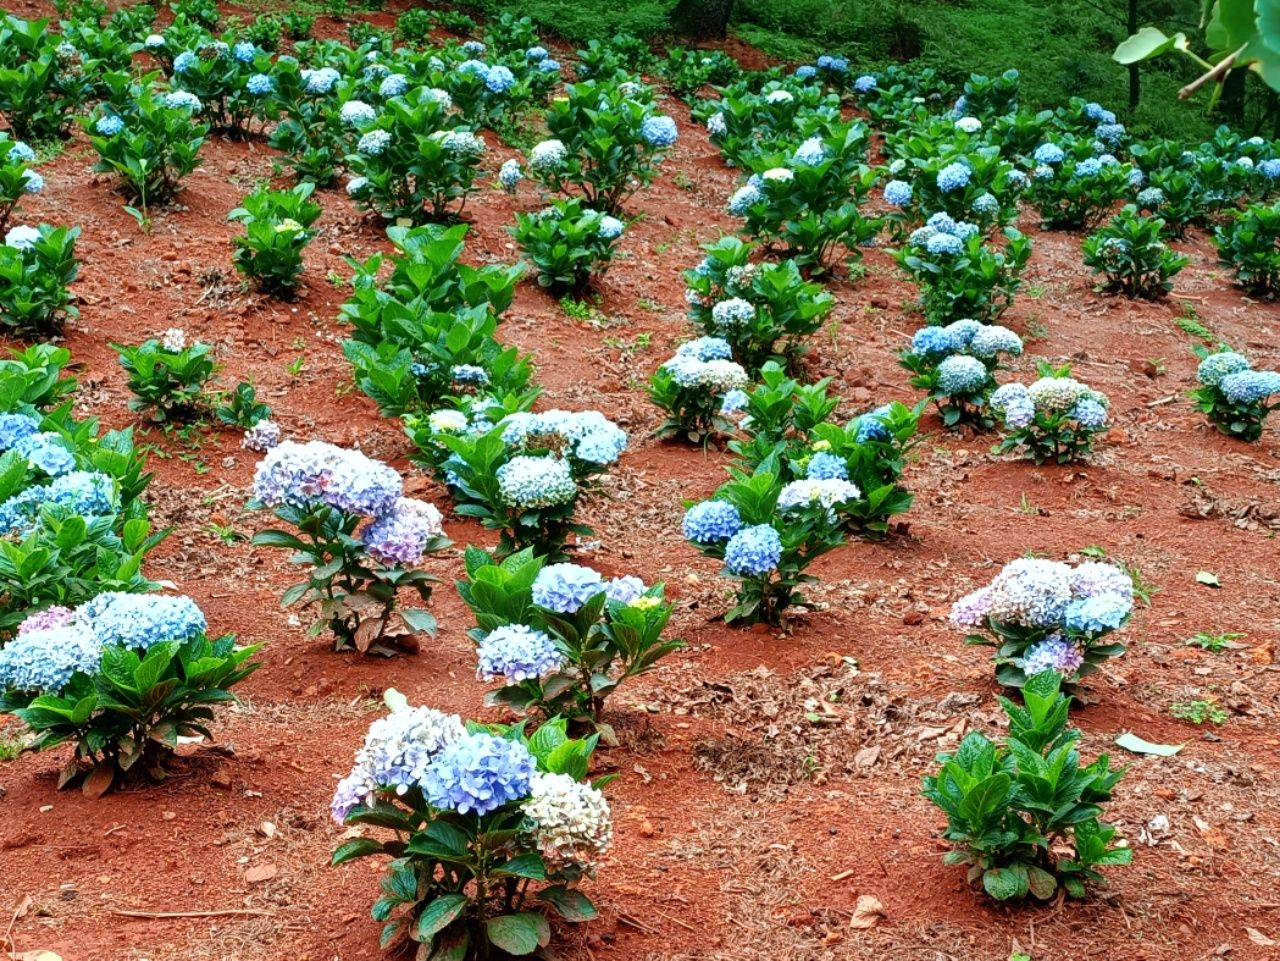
x=1061, y=47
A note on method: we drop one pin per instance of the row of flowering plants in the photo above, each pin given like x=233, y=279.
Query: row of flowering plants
x=489, y=827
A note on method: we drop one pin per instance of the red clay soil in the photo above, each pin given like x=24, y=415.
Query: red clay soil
x=744, y=829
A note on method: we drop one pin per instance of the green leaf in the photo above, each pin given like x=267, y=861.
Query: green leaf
x=1146, y=43
x=528, y=865
x=1043, y=885
x=570, y=904
x=1131, y=742
x=1004, y=884
x=519, y=934
x=355, y=848
x=439, y=914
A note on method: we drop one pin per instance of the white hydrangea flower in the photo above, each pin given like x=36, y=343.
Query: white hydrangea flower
x=573, y=823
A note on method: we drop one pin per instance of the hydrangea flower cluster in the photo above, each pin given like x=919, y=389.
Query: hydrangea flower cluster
x=140, y=621
x=44, y=659
x=1053, y=418
x=515, y=653
x=262, y=436
x=401, y=535
x=711, y=522
x=48, y=452
x=1234, y=396
x=86, y=493
x=659, y=131
x=298, y=474
x=753, y=551
x=954, y=176
x=478, y=773
x=704, y=364
x=810, y=492
x=564, y=588
x=510, y=175
x=531, y=482
x=588, y=434
x=573, y=824
x=548, y=156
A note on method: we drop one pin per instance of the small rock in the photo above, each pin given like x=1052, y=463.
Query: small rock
x=221, y=778
x=259, y=873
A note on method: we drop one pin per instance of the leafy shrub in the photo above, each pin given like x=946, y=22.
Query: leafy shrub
x=241, y=408
x=413, y=161
x=767, y=533
x=808, y=203
x=567, y=243
x=264, y=31
x=1175, y=197
x=430, y=322
x=326, y=493
x=277, y=228
x=1233, y=395
x=688, y=71
x=151, y=148
x=309, y=132
x=1248, y=244
x=700, y=388
x=1130, y=253
x=36, y=266
x=1053, y=419
x=606, y=141
x=524, y=477
x=1044, y=615
x=41, y=81
x=961, y=276
x=747, y=123
x=489, y=823
x=956, y=365
x=951, y=172
x=560, y=638
x=297, y=26
x=414, y=26
x=765, y=311
x=167, y=378
x=1012, y=807
x=1075, y=193
x=122, y=677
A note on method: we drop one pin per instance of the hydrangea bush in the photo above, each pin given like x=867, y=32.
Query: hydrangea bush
x=1044, y=615
x=17, y=178
x=37, y=265
x=1073, y=191
x=1131, y=255
x=121, y=677
x=277, y=227
x=568, y=243
x=1023, y=815
x=956, y=365
x=763, y=310
x=167, y=376
x=487, y=825
x=700, y=389
x=1233, y=395
x=360, y=537
x=1053, y=419
x=961, y=276
x=1248, y=243
x=560, y=638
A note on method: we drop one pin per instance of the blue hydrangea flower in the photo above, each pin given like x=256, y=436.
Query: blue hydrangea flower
x=1054, y=653
x=1089, y=167
x=109, y=125
x=357, y=113
x=611, y=228
x=183, y=100
x=732, y=313
x=140, y=621
x=806, y=71
x=1032, y=592
x=810, y=153
x=244, y=51
x=703, y=349
x=469, y=374
x=499, y=79
x=473, y=47
x=1217, y=366
x=1270, y=169
x=941, y=223
x=986, y=205
x=47, y=452
x=184, y=61
x=299, y=474
x=374, y=142
x=1136, y=177
x=1048, y=154
x=564, y=588
x=549, y=65
x=865, y=83
x=944, y=245
x=478, y=773
x=1098, y=114
x=1097, y=614
x=509, y=175
x=86, y=493
x=1110, y=133
x=743, y=199
x=825, y=465
x=260, y=85
x=898, y=193
x=44, y=661
x=475, y=68
x=960, y=374
x=1250, y=386
x=711, y=522
x=536, y=54
x=1089, y=413
x=516, y=653
x=993, y=339
x=659, y=131
x=624, y=590
x=833, y=63
x=953, y=176
x=393, y=85
x=962, y=332
x=733, y=402
x=20, y=153
x=533, y=482
x=753, y=551
x=1150, y=198
x=871, y=425
x=16, y=427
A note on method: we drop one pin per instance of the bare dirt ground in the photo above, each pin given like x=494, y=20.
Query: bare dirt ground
x=745, y=830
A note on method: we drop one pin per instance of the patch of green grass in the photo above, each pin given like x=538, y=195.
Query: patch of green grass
x=1200, y=711
x=1215, y=643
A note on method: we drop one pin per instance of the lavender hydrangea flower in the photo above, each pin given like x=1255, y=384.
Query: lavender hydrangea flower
x=478, y=773
x=516, y=653
x=753, y=551
x=262, y=436
x=46, y=620
x=711, y=522
x=624, y=590
x=1089, y=413
x=1054, y=653
x=564, y=588
x=972, y=609
x=401, y=535
x=300, y=474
